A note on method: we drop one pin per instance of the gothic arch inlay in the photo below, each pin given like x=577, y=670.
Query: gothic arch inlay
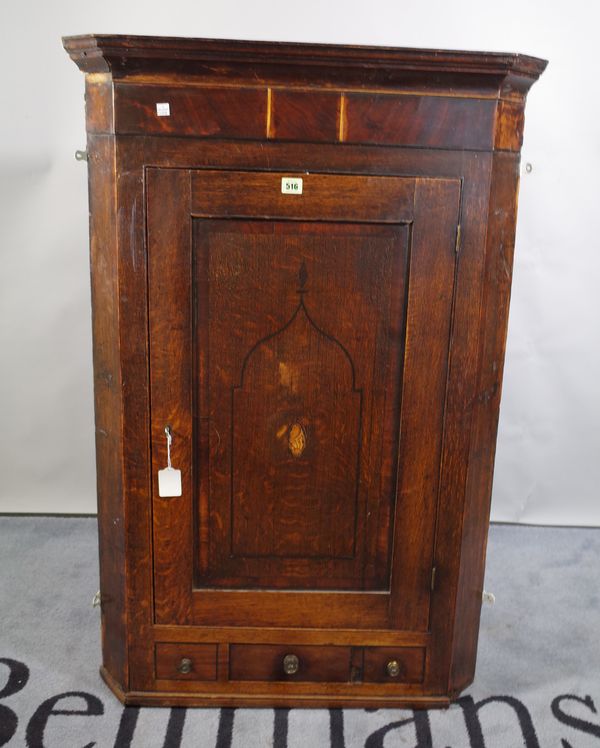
x=296, y=423
x=303, y=277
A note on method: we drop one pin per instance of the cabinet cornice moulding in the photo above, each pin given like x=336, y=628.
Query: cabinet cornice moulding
x=469, y=72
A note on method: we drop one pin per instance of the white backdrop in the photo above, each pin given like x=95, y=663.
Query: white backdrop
x=548, y=459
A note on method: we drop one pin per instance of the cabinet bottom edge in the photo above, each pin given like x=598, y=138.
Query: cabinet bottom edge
x=266, y=701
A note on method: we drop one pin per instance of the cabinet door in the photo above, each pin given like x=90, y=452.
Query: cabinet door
x=298, y=351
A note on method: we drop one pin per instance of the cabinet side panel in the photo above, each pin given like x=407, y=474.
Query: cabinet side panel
x=107, y=402
x=493, y=327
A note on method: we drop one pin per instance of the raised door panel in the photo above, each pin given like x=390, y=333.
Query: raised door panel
x=298, y=330
x=299, y=355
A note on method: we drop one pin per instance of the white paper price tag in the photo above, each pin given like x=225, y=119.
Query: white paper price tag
x=169, y=482
x=169, y=478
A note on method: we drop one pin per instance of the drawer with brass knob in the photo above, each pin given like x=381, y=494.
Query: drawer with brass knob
x=394, y=664
x=284, y=662
x=186, y=661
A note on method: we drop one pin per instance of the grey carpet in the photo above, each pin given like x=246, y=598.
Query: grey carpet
x=537, y=683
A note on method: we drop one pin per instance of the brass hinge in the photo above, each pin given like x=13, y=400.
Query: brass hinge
x=457, y=246
x=434, y=569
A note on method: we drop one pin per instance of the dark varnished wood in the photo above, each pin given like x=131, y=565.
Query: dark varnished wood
x=429, y=121
x=432, y=69
x=294, y=363
x=270, y=635
x=169, y=325
x=296, y=536
x=305, y=116
x=325, y=196
x=108, y=406
x=435, y=98
x=179, y=209
x=427, y=344
x=202, y=112
x=172, y=694
x=486, y=404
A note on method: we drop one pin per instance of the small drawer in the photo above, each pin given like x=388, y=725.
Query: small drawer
x=186, y=661
x=281, y=662
x=394, y=665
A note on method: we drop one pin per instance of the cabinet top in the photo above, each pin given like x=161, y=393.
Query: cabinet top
x=363, y=66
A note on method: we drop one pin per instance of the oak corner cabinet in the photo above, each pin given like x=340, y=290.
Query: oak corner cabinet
x=301, y=263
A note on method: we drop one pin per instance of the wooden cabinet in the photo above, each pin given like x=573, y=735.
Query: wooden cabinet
x=301, y=261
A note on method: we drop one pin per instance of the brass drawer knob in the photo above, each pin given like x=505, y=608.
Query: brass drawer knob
x=393, y=668
x=185, y=666
x=290, y=664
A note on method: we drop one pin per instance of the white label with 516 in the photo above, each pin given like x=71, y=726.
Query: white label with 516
x=291, y=185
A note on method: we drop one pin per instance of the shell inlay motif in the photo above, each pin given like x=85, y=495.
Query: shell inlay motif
x=296, y=439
